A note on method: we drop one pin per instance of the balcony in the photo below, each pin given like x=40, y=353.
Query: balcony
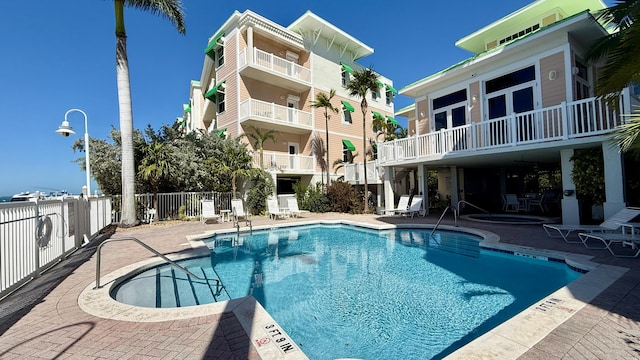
x=274, y=70
x=354, y=173
x=285, y=163
x=552, y=127
x=272, y=116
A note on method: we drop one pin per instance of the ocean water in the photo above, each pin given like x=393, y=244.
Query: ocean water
x=5, y=198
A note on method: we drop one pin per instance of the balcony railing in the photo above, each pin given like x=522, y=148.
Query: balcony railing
x=252, y=108
x=285, y=162
x=354, y=173
x=276, y=64
x=588, y=117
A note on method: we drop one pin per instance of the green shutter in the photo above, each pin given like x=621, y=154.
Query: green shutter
x=380, y=84
x=348, y=145
x=393, y=120
x=377, y=114
x=347, y=106
x=346, y=68
x=186, y=108
x=210, y=49
x=211, y=94
x=220, y=133
x=391, y=88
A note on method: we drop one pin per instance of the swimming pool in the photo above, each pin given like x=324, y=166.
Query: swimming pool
x=341, y=291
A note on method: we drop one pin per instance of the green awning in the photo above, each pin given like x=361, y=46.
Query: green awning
x=220, y=133
x=211, y=94
x=186, y=108
x=348, y=145
x=347, y=106
x=210, y=49
x=391, y=88
x=180, y=121
x=347, y=68
x=393, y=120
x=377, y=114
x=380, y=84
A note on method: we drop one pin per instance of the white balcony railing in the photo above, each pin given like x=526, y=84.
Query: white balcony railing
x=284, y=162
x=276, y=64
x=354, y=173
x=252, y=108
x=588, y=117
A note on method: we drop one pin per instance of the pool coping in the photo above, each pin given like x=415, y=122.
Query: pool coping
x=508, y=340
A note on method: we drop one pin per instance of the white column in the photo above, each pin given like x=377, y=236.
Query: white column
x=455, y=189
x=613, y=179
x=570, y=208
x=388, y=189
x=274, y=176
x=423, y=187
x=250, y=44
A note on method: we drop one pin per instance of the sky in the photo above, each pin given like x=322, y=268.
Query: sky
x=59, y=55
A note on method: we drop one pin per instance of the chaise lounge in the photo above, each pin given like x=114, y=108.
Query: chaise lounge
x=613, y=223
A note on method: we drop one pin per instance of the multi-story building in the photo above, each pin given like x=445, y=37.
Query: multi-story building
x=524, y=100
x=259, y=74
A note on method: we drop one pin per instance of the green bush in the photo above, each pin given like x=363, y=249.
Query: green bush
x=345, y=198
x=312, y=198
x=261, y=189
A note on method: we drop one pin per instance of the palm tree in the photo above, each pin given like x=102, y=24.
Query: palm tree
x=259, y=138
x=171, y=10
x=155, y=166
x=235, y=161
x=363, y=81
x=324, y=101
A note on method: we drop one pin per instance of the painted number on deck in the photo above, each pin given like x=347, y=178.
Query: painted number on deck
x=278, y=336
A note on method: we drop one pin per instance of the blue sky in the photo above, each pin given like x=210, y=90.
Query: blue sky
x=59, y=55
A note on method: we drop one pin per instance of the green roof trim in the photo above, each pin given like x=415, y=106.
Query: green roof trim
x=346, y=68
x=393, y=120
x=391, y=88
x=347, y=106
x=211, y=94
x=186, y=108
x=209, y=50
x=377, y=114
x=221, y=134
x=348, y=145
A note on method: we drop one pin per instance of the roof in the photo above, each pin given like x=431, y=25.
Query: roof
x=514, y=22
x=310, y=23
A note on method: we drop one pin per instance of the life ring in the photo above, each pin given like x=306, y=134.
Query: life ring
x=43, y=231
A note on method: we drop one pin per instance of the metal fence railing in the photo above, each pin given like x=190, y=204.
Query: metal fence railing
x=36, y=234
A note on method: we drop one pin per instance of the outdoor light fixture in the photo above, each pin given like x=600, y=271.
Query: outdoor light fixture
x=65, y=130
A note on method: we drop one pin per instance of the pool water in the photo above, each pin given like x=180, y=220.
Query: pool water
x=346, y=292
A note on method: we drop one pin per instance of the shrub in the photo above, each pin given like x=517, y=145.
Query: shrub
x=261, y=189
x=345, y=198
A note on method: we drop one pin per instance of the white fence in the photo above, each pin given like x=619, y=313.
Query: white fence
x=174, y=205
x=588, y=117
x=276, y=64
x=354, y=173
x=35, y=235
x=285, y=162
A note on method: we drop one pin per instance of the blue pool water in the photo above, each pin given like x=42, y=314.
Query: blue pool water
x=346, y=292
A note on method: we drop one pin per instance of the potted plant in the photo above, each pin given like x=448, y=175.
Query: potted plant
x=588, y=176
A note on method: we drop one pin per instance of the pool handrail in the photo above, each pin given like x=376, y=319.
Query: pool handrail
x=171, y=262
x=468, y=203
x=455, y=217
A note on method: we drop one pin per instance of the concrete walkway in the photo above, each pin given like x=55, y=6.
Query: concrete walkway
x=43, y=320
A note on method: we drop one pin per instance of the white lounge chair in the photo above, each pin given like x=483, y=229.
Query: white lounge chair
x=237, y=212
x=208, y=211
x=403, y=204
x=613, y=223
x=414, y=208
x=608, y=239
x=294, y=210
x=274, y=211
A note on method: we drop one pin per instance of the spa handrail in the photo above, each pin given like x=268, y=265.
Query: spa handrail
x=455, y=216
x=173, y=263
x=470, y=204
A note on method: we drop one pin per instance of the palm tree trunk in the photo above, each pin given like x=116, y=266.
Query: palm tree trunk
x=126, y=119
x=326, y=127
x=364, y=153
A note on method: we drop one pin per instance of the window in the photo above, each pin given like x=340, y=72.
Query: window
x=375, y=95
x=345, y=77
x=389, y=95
x=220, y=99
x=219, y=56
x=512, y=79
x=346, y=116
x=450, y=99
x=347, y=155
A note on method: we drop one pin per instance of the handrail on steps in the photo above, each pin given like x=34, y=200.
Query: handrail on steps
x=455, y=217
x=173, y=263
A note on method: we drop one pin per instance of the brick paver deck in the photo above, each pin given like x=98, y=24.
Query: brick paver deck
x=42, y=320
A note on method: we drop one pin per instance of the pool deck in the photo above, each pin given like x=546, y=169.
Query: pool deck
x=46, y=318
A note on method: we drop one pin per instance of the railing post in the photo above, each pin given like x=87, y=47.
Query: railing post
x=514, y=129
x=273, y=111
x=564, y=122
x=442, y=140
x=416, y=152
x=474, y=140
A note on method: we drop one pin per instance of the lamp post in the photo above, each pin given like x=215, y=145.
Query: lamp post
x=65, y=130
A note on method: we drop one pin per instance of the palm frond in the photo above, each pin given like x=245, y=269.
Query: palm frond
x=171, y=10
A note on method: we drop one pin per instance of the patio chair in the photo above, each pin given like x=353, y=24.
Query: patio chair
x=512, y=203
x=609, y=239
x=403, y=204
x=274, y=211
x=294, y=210
x=237, y=212
x=208, y=211
x=414, y=208
x=611, y=224
x=537, y=202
